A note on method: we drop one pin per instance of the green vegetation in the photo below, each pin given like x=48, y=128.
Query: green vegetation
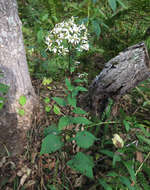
x=68, y=148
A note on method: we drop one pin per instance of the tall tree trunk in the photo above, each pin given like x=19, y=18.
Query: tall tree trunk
x=14, y=67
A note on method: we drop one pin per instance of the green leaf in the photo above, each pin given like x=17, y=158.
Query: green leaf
x=40, y=36
x=85, y=139
x=107, y=152
x=112, y=174
x=104, y=184
x=47, y=81
x=126, y=182
x=3, y=88
x=122, y=4
x=64, y=122
x=48, y=108
x=51, y=143
x=82, y=89
x=21, y=112
x=116, y=158
x=22, y=100
x=127, y=125
x=52, y=129
x=129, y=166
x=68, y=84
x=112, y=4
x=81, y=120
x=56, y=110
x=59, y=101
x=82, y=163
x=143, y=139
x=47, y=100
x=96, y=28
x=1, y=102
x=79, y=111
x=71, y=101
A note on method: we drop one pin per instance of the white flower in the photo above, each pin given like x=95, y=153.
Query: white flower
x=70, y=32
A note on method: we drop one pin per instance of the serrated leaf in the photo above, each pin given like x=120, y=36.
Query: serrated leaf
x=64, y=122
x=56, y=110
x=79, y=111
x=51, y=143
x=22, y=100
x=104, y=184
x=82, y=163
x=52, y=129
x=85, y=139
x=112, y=4
x=59, y=101
x=81, y=120
x=71, y=101
x=68, y=84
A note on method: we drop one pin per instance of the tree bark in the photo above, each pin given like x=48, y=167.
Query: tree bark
x=14, y=67
x=118, y=77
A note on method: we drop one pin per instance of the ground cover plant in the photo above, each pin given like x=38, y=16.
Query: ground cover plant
x=68, y=147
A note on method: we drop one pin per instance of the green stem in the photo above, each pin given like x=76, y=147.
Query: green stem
x=69, y=66
x=102, y=123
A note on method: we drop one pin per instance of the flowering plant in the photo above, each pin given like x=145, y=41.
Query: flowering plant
x=67, y=37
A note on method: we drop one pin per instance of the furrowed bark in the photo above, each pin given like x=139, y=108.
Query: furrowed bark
x=14, y=67
x=119, y=76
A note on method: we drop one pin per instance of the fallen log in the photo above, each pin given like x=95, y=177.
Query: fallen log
x=119, y=76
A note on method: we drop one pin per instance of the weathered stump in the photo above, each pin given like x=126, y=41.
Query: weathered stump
x=119, y=76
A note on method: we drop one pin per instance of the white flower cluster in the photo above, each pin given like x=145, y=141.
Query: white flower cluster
x=65, y=34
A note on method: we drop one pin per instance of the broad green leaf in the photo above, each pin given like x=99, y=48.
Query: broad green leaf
x=68, y=84
x=129, y=166
x=79, y=111
x=52, y=129
x=126, y=182
x=104, y=184
x=51, y=143
x=85, y=139
x=47, y=100
x=64, y=121
x=71, y=101
x=78, y=80
x=56, y=110
x=81, y=120
x=22, y=100
x=59, y=101
x=82, y=163
x=112, y=4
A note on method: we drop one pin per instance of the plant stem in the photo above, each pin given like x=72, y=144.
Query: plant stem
x=69, y=66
